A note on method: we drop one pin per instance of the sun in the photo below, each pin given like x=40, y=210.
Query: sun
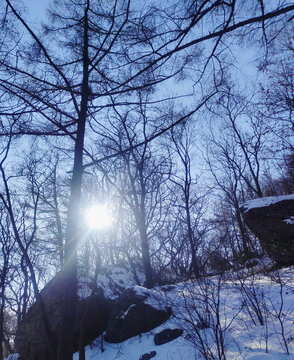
x=98, y=217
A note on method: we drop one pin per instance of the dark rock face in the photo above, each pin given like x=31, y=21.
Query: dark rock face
x=274, y=227
x=93, y=314
x=167, y=335
x=30, y=340
x=132, y=316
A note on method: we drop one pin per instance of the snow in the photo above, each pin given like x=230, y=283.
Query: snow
x=252, y=313
x=13, y=357
x=289, y=221
x=155, y=297
x=194, y=306
x=115, y=279
x=112, y=279
x=265, y=201
x=124, y=314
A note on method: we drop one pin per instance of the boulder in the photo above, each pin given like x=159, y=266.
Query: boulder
x=30, y=340
x=136, y=311
x=271, y=219
x=167, y=335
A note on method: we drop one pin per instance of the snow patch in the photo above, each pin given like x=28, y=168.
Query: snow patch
x=115, y=279
x=124, y=314
x=13, y=357
x=289, y=221
x=153, y=297
x=112, y=279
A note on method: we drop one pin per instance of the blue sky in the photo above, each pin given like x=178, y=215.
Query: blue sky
x=36, y=8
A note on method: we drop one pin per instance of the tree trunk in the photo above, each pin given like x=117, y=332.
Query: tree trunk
x=66, y=337
x=145, y=252
x=194, y=266
x=244, y=235
x=2, y=305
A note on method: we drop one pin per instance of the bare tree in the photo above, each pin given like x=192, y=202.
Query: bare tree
x=277, y=88
x=7, y=244
x=24, y=238
x=238, y=156
x=191, y=199
x=99, y=53
x=222, y=165
x=138, y=176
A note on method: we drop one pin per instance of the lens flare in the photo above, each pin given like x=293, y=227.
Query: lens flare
x=98, y=217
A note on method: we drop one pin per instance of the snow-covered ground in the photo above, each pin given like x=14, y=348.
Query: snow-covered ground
x=234, y=317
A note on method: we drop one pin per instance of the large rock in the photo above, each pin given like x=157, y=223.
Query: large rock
x=136, y=311
x=167, y=335
x=271, y=219
x=93, y=313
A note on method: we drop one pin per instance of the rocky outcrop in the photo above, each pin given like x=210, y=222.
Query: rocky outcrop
x=136, y=311
x=31, y=338
x=272, y=221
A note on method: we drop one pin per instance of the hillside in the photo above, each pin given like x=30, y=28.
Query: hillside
x=237, y=316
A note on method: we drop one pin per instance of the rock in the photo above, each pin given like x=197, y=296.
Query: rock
x=93, y=314
x=272, y=221
x=252, y=263
x=30, y=340
x=136, y=311
x=148, y=356
x=167, y=335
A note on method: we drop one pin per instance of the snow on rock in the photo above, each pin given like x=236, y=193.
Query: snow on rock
x=13, y=357
x=265, y=201
x=271, y=220
x=153, y=297
x=137, y=310
x=113, y=280
x=84, y=287
x=289, y=221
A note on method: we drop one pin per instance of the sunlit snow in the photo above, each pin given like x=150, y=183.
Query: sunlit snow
x=241, y=297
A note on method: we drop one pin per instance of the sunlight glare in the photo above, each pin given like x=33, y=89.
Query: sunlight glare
x=98, y=217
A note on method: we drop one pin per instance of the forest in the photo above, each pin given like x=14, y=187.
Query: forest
x=132, y=132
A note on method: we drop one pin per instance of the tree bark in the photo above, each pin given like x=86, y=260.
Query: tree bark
x=66, y=338
x=194, y=267
x=145, y=254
